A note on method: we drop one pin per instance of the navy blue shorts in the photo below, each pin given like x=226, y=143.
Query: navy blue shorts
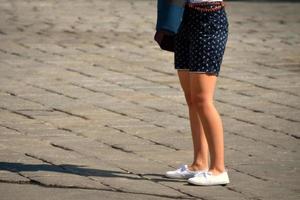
x=200, y=41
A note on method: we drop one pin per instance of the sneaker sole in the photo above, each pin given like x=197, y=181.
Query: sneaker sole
x=222, y=184
x=175, y=177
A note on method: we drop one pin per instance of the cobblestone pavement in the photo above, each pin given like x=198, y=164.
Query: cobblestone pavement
x=91, y=108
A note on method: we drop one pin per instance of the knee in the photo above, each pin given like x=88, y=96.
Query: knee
x=201, y=102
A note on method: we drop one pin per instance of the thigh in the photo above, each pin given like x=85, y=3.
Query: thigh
x=184, y=79
x=202, y=86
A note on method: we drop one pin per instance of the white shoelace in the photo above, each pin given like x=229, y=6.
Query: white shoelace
x=182, y=168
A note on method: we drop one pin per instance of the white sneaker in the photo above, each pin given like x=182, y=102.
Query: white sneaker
x=207, y=178
x=182, y=172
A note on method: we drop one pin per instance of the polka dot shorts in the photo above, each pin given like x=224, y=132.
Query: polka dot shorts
x=200, y=41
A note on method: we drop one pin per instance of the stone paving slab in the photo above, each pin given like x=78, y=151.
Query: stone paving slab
x=91, y=108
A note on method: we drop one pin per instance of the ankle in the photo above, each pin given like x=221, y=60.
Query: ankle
x=217, y=171
x=197, y=167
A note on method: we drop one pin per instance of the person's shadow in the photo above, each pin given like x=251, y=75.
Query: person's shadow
x=80, y=170
x=85, y=171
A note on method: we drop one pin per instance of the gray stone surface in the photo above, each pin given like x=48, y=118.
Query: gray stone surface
x=91, y=108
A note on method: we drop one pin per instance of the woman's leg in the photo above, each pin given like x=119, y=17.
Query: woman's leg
x=199, y=141
x=202, y=88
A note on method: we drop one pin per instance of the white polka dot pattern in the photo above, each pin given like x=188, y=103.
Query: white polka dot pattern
x=201, y=40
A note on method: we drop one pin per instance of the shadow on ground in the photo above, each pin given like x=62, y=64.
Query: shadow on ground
x=79, y=170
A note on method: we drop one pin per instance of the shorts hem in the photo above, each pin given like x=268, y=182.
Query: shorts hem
x=205, y=72
x=199, y=72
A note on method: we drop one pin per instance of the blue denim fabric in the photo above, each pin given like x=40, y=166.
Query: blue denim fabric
x=169, y=15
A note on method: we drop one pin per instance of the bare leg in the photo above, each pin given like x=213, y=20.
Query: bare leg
x=200, y=161
x=202, y=91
